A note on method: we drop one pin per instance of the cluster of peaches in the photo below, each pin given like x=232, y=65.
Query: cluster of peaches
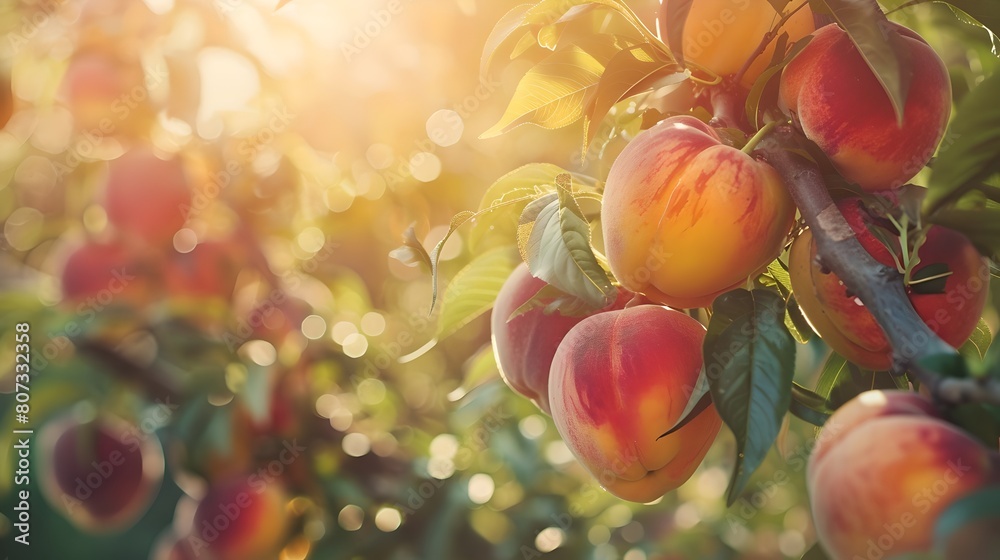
x=687, y=217
x=104, y=472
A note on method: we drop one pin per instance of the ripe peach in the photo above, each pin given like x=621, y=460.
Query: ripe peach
x=243, y=518
x=687, y=218
x=878, y=486
x=839, y=104
x=850, y=329
x=619, y=380
x=524, y=346
x=102, y=474
x=97, y=275
x=147, y=196
x=721, y=35
x=103, y=92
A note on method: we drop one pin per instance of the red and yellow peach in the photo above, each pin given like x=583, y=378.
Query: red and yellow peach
x=835, y=98
x=687, y=218
x=619, y=380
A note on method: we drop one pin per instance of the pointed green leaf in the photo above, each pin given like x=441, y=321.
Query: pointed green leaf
x=627, y=73
x=554, y=239
x=504, y=201
x=474, y=289
x=750, y=360
x=553, y=94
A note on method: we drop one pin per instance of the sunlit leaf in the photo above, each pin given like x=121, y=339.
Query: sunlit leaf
x=628, y=71
x=504, y=201
x=750, y=359
x=554, y=239
x=881, y=46
x=553, y=94
x=474, y=289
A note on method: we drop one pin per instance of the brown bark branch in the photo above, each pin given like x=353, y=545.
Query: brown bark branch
x=878, y=286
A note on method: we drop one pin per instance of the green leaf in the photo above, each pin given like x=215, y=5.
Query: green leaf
x=504, y=201
x=979, y=341
x=815, y=553
x=982, y=505
x=698, y=401
x=809, y=406
x=841, y=381
x=553, y=94
x=750, y=360
x=480, y=368
x=881, y=46
x=554, y=239
x=474, y=289
x=628, y=72
x=974, y=150
x=978, y=12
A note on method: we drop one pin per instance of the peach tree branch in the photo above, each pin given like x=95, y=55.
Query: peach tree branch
x=878, y=286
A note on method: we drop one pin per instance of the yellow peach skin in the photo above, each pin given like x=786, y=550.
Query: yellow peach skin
x=721, y=35
x=618, y=381
x=687, y=218
x=878, y=486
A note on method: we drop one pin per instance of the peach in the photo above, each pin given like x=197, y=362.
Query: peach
x=878, y=487
x=619, y=380
x=103, y=474
x=836, y=100
x=103, y=92
x=243, y=518
x=96, y=275
x=147, y=196
x=721, y=35
x=687, y=218
x=524, y=346
x=850, y=329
